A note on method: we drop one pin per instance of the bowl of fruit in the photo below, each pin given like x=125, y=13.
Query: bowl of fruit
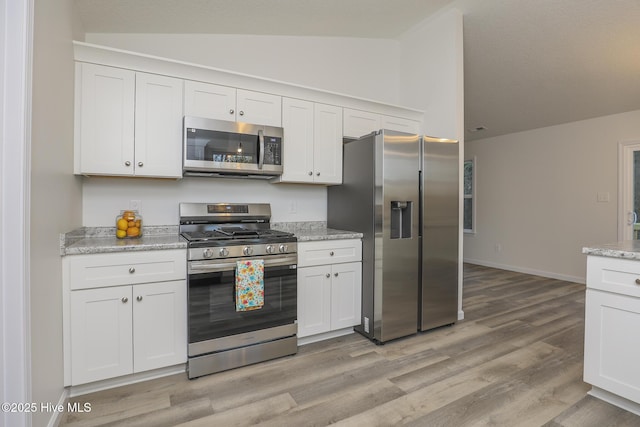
x=128, y=225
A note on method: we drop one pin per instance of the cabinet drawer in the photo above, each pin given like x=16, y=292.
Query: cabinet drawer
x=113, y=269
x=329, y=252
x=614, y=275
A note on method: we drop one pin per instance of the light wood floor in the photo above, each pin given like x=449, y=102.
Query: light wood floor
x=516, y=360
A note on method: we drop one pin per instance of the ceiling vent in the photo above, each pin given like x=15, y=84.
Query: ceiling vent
x=477, y=129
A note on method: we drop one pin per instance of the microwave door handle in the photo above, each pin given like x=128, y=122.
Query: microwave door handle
x=260, y=149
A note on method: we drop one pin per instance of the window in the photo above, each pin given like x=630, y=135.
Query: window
x=469, y=193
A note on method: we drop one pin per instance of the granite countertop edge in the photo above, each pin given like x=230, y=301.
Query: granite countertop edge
x=94, y=240
x=627, y=249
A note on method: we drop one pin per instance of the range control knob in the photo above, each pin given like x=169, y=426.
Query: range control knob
x=224, y=252
x=248, y=250
x=270, y=249
x=283, y=248
x=207, y=253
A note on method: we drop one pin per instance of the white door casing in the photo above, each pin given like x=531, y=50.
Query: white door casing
x=626, y=219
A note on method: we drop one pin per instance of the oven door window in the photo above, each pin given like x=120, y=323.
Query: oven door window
x=212, y=305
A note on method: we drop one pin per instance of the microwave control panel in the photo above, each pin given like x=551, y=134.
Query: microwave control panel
x=272, y=151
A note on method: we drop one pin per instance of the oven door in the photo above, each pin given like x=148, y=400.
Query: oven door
x=213, y=319
x=231, y=147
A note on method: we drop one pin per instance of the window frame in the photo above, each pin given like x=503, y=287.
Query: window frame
x=474, y=166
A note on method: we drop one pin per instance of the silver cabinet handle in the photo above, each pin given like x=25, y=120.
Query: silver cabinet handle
x=132, y=270
x=125, y=300
x=140, y=164
x=328, y=275
x=231, y=111
x=637, y=281
x=241, y=113
x=127, y=163
x=331, y=253
x=335, y=274
x=139, y=298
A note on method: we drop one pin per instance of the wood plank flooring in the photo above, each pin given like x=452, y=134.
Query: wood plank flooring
x=516, y=360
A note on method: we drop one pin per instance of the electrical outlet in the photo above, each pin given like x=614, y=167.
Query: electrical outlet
x=498, y=247
x=134, y=205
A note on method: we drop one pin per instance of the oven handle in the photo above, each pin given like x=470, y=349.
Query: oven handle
x=215, y=266
x=261, y=149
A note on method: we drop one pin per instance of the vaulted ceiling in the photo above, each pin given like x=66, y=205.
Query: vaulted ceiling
x=527, y=64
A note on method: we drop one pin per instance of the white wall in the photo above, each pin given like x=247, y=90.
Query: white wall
x=366, y=68
x=55, y=193
x=103, y=198
x=536, y=195
x=432, y=73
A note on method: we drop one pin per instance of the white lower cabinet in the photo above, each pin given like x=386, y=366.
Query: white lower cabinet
x=612, y=322
x=329, y=295
x=124, y=328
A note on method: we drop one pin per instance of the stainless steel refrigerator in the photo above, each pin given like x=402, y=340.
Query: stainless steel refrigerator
x=401, y=192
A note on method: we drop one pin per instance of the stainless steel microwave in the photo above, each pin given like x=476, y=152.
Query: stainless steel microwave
x=234, y=149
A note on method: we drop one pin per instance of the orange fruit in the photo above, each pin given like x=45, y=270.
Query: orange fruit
x=138, y=223
x=121, y=234
x=122, y=224
x=133, y=231
x=131, y=223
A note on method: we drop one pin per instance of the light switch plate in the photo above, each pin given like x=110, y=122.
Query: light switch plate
x=602, y=197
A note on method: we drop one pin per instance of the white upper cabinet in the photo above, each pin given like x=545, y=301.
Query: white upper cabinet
x=104, y=135
x=209, y=101
x=400, y=124
x=312, y=142
x=259, y=108
x=127, y=123
x=358, y=123
x=158, y=129
x=227, y=103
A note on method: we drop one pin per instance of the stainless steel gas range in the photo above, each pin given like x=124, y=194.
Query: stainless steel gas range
x=223, y=334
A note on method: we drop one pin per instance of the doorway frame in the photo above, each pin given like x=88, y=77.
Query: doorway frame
x=625, y=183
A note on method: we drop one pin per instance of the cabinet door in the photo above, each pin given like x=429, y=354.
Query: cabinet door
x=359, y=123
x=400, y=124
x=101, y=334
x=159, y=325
x=259, y=108
x=314, y=300
x=158, y=126
x=209, y=101
x=346, y=297
x=327, y=151
x=104, y=137
x=297, y=121
x=611, y=348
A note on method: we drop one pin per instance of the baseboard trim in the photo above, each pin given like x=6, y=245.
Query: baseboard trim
x=615, y=400
x=79, y=390
x=325, y=336
x=56, y=417
x=532, y=271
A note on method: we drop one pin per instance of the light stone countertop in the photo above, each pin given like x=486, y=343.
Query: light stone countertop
x=95, y=240
x=627, y=249
x=313, y=231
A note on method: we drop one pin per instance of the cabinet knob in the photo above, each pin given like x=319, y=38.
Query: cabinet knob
x=637, y=281
x=132, y=270
x=310, y=173
x=317, y=173
x=328, y=275
x=125, y=300
x=335, y=274
x=241, y=113
x=231, y=111
x=331, y=253
x=127, y=163
x=139, y=298
x=140, y=164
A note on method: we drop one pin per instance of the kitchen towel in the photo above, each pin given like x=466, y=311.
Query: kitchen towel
x=249, y=285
